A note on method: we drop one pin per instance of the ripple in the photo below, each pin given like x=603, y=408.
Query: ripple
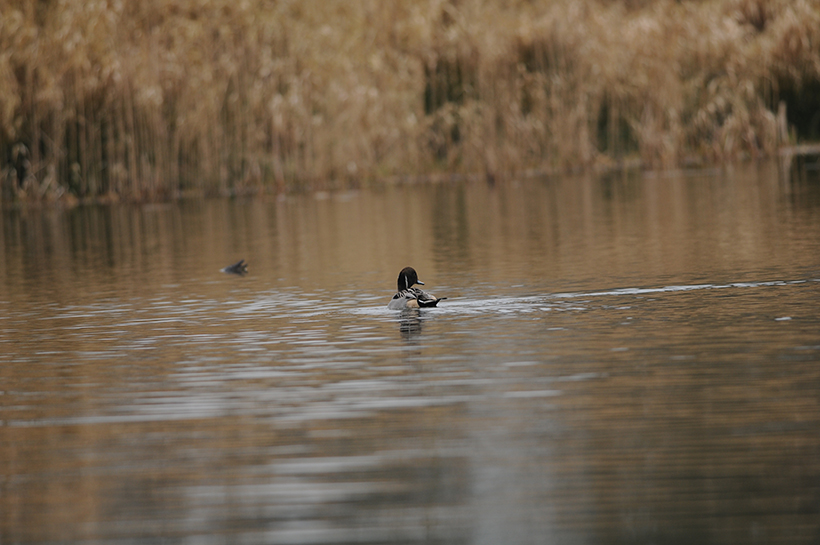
x=681, y=288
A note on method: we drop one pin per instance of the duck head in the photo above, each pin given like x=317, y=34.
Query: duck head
x=408, y=277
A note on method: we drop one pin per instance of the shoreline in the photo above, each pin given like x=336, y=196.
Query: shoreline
x=150, y=101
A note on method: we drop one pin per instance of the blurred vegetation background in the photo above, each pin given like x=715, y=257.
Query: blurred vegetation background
x=113, y=99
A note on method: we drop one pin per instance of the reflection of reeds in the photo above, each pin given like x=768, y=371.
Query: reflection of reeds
x=158, y=98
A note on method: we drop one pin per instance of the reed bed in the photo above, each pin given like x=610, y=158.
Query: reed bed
x=112, y=99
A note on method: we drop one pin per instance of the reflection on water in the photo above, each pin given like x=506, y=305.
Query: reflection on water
x=632, y=360
x=410, y=322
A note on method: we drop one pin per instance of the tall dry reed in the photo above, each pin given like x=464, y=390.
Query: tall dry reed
x=158, y=98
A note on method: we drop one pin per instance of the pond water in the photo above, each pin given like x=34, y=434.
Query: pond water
x=633, y=359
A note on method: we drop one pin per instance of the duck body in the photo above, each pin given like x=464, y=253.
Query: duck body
x=409, y=297
x=240, y=268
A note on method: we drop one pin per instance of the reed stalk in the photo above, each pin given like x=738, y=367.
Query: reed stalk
x=161, y=98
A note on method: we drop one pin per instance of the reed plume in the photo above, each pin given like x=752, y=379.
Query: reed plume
x=162, y=98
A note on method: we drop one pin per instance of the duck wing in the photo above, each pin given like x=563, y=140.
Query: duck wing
x=400, y=300
x=425, y=299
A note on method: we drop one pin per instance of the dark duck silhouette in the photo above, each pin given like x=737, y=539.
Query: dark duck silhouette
x=240, y=268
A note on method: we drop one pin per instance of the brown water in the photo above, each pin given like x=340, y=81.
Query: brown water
x=632, y=360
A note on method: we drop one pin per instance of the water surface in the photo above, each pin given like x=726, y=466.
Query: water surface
x=623, y=360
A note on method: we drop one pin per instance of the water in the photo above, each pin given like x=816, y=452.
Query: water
x=627, y=360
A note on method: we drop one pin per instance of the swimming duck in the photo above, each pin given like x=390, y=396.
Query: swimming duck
x=240, y=268
x=410, y=297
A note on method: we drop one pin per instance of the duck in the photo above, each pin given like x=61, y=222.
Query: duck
x=410, y=297
x=240, y=268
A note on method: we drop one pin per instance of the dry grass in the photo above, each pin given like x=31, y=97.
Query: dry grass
x=157, y=98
